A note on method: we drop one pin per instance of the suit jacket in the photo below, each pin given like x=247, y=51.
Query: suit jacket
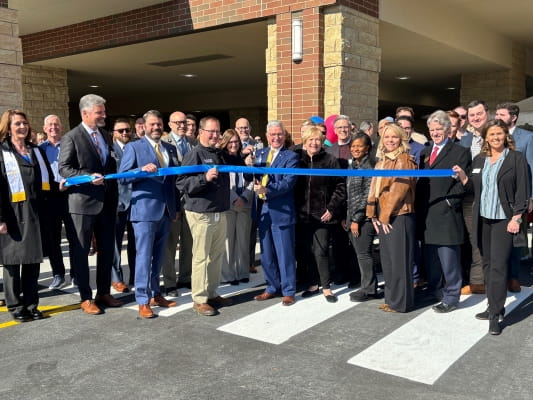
x=150, y=197
x=78, y=156
x=280, y=195
x=513, y=188
x=439, y=201
x=466, y=139
x=124, y=191
x=523, y=140
x=170, y=139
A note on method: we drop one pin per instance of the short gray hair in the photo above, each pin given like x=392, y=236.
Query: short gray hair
x=275, y=124
x=51, y=116
x=441, y=118
x=342, y=118
x=365, y=125
x=153, y=113
x=88, y=101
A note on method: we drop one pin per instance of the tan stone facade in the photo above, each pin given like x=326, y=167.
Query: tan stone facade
x=45, y=92
x=10, y=61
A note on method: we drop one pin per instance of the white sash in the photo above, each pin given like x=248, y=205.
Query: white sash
x=14, y=179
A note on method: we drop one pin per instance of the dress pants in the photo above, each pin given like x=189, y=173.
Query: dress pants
x=179, y=232
x=104, y=233
x=473, y=272
x=345, y=260
x=443, y=269
x=21, y=279
x=496, y=247
x=150, y=240
x=315, y=242
x=277, y=256
x=208, y=243
x=363, y=248
x=122, y=223
x=236, y=260
x=397, y=253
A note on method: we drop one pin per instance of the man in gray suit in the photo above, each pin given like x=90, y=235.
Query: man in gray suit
x=179, y=229
x=87, y=150
x=523, y=139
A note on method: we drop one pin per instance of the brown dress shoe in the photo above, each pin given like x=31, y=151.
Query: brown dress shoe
x=204, y=309
x=160, y=301
x=264, y=296
x=288, y=300
x=145, y=311
x=90, y=307
x=514, y=286
x=120, y=287
x=220, y=302
x=477, y=288
x=107, y=300
x=252, y=269
x=466, y=290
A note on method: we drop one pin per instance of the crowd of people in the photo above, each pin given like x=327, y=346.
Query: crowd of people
x=443, y=236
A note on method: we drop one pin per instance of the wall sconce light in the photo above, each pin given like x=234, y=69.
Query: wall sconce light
x=297, y=40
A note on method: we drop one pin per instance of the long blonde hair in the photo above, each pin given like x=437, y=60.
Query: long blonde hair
x=399, y=132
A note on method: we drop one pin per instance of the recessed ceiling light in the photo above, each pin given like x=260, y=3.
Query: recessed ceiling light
x=188, y=75
x=94, y=86
x=451, y=88
x=403, y=78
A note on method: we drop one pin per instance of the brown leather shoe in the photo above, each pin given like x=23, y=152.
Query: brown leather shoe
x=90, y=307
x=145, y=311
x=514, y=286
x=252, y=269
x=204, y=309
x=107, y=300
x=288, y=300
x=466, y=290
x=477, y=288
x=220, y=302
x=120, y=287
x=264, y=296
x=160, y=301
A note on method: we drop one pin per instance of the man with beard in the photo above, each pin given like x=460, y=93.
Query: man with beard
x=154, y=205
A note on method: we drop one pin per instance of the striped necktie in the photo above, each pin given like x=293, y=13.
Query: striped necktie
x=97, y=145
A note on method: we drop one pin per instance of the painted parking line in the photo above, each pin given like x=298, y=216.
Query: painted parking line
x=425, y=347
x=46, y=310
x=277, y=323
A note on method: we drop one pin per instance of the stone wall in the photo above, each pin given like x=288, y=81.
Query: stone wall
x=45, y=92
x=10, y=61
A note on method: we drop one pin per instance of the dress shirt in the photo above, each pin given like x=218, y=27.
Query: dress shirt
x=102, y=144
x=162, y=149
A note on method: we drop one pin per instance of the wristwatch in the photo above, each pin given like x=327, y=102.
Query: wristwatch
x=518, y=220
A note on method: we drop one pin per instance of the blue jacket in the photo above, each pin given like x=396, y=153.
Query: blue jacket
x=523, y=140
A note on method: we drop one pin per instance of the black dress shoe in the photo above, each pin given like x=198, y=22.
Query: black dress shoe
x=484, y=316
x=183, y=285
x=22, y=315
x=494, y=325
x=36, y=314
x=444, y=308
x=245, y=280
x=309, y=293
x=234, y=283
x=331, y=298
x=172, y=292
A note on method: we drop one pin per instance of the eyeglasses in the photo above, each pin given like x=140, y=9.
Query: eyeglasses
x=127, y=130
x=184, y=122
x=211, y=131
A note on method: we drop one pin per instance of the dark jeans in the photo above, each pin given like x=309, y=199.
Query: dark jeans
x=21, y=280
x=363, y=248
x=315, y=244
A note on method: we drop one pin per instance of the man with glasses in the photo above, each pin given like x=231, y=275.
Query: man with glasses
x=244, y=129
x=207, y=198
x=179, y=229
x=191, y=126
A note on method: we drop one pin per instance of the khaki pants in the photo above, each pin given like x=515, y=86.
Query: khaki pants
x=208, y=243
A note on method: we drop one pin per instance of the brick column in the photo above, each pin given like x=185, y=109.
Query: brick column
x=352, y=62
x=295, y=91
x=10, y=60
x=45, y=92
x=495, y=87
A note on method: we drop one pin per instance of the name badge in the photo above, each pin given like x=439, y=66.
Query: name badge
x=217, y=217
x=476, y=170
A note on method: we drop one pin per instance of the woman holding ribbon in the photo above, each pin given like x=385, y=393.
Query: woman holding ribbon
x=319, y=204
x=24, y=180
x=391, y=208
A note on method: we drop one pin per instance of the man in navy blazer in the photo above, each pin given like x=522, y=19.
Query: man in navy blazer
x=277, y=217
x=154, y=205
x=523, y=139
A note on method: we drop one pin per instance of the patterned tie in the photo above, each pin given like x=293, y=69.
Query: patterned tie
x=433, y=155
x=159, y=156
x=264, y=180
x=97, y=145
x=183, y=147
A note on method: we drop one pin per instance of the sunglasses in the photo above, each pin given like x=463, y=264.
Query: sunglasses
x=127, y=130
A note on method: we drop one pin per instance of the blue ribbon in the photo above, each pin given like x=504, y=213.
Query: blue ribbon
x=195, y=169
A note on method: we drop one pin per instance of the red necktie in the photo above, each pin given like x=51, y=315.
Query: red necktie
x=433, y=155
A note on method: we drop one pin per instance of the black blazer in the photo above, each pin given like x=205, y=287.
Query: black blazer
x=78, y=156
x=513, y=188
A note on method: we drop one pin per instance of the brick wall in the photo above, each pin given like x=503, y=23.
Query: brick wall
x=10, y=61
x=164, y=20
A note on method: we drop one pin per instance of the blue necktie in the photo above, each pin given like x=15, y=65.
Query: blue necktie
x=183, y=147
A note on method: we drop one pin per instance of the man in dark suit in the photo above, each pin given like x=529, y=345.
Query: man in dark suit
x=122, y=135
x=440, y=215
x=180, y=231
x=87, y=149
x=277, y=217
x=154, y=205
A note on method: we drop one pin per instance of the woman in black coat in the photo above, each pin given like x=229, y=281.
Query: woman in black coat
x=497, y=214
x=320, y=203
x=24, y=180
